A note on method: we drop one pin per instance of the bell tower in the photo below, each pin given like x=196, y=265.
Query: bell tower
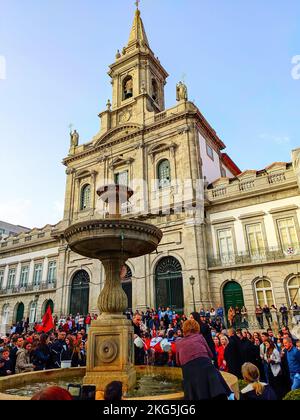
x=138, y=81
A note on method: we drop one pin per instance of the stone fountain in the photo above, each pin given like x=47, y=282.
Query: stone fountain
x=112, y=240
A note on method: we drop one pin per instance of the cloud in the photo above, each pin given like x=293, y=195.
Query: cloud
x=280, y=140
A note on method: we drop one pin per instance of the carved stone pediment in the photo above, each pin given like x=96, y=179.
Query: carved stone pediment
x=85, y=174
x=162, y=147
x=120, y=161
x=117, y=133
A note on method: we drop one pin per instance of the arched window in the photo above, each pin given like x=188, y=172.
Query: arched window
x=85, y=197
x=294, y=290
x=5, y=314
x=264, y=292
x=19, y=312
x=80, y=292
x=126, y=279
x=32, y=312
x=127, y=88
x=47, y=303
x=164, y=174
x=154, y=90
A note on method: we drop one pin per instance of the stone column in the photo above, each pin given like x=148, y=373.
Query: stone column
x=196, y=264
x=113, y=299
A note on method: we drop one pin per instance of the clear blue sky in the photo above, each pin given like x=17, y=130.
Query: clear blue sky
x=236, y=56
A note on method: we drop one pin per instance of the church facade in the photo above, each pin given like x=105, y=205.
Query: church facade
x=230, y=237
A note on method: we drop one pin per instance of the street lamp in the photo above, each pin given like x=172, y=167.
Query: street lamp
x=192, y=283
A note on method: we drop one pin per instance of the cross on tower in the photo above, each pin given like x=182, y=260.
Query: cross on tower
x=137, y=3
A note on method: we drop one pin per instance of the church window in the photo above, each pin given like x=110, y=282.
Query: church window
x=164, y=174
x=121, y=178
x=85, y=197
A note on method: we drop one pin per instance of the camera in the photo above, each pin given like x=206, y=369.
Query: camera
x=82, y=392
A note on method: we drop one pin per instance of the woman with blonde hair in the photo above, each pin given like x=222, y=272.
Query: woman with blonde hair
x=201, y=380
x=255, y=390
x=221, y=361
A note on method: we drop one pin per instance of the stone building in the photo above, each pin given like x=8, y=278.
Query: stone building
x=236, y=233
x=7, y=229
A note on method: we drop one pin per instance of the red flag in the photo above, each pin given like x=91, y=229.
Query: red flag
x=47, y=322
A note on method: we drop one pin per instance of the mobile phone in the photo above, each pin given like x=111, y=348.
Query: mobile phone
x=75, y=391
x=88, y=393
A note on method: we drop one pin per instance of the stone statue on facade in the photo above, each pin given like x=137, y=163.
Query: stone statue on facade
x=74, y=141
x=181, y=92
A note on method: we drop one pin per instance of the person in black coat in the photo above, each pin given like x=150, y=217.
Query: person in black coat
x=41, y=355
x=250, y=352
x=6, y=364
x=59, y=351
x=233, y=354
x=205, y=330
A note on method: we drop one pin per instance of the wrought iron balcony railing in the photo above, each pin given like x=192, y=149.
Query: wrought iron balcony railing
x=28, y=288
x=259, y=256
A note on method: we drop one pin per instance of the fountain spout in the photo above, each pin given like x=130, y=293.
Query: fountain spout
x=114, y=195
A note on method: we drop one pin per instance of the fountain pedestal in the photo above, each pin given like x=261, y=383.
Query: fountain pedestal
x=110, y=353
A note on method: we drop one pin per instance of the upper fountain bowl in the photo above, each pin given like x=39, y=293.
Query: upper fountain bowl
x=102, y=238
x=113, y=235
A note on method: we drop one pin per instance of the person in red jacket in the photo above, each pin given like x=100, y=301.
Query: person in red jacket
x=88, y=321
x=221, y=350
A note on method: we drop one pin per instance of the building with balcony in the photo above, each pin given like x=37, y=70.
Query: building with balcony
x=253, y=236
x=235, y=233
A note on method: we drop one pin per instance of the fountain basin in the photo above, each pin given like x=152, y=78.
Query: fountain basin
x=102, y=238
x=59, y=376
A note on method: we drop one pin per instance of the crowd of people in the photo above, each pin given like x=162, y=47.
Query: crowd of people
x=272, y=357
x=163, y=337
x=25, y=350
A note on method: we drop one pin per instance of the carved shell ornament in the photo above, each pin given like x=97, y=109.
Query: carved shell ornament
x=125, y=116
x=108, y=351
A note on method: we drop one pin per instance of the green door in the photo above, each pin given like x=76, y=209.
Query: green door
x=20, y=312
x=233, y=296
x=169, y=284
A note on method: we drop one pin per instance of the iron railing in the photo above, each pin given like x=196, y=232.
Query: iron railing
x=260, y=256
x=28, y=288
